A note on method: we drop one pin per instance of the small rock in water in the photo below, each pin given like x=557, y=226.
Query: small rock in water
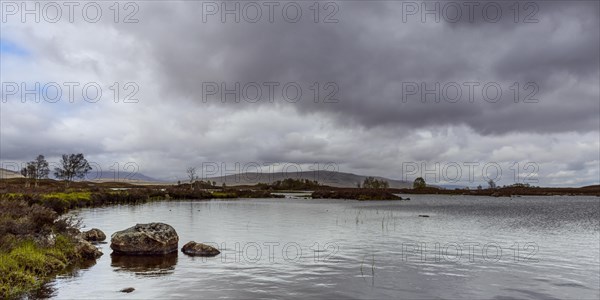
x=87, y=250
x=199, y=249
x=127, y=290
x=93, y=235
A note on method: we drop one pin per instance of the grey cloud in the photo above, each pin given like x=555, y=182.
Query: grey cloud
x=370, y=52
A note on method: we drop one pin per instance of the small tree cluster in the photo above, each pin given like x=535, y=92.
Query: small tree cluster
x=36, y=169
x=294, y=184
x=520, y=185
x=372, y=183
x=193, y=177
x=72, y=166
x=419, y=183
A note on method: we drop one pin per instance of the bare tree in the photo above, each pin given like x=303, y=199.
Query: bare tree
x=41, y=168
x=28, y=173
x=191, y=172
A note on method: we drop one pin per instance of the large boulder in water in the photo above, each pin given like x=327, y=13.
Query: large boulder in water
x=145, y=239
x=199, y=249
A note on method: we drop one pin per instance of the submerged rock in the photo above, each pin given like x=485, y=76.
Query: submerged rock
x=93, y=235
x=199, y=249
x=145, y=239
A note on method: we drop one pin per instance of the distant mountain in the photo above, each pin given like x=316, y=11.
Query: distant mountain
x=7, y=174
x=120, y=177
x=335, y=179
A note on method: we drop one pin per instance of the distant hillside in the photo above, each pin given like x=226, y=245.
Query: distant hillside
x=103, y=176
x=450, y=186
x=597, y=186
x=7, y=174
x=335, y=179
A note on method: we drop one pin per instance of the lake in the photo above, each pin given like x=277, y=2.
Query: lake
x=468, y=247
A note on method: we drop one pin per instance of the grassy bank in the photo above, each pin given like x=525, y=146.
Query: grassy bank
x=62, y=200
x=28, y=265
x=35, y=243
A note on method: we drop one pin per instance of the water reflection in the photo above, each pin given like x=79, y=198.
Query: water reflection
x=147, y=266
x=71, y=272
x=84, y=265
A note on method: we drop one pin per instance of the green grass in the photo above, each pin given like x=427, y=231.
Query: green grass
x=12, y=196
x=72, y=196
x=34, y=245
x=223, y=195
x=27, y=265
x=63, y=201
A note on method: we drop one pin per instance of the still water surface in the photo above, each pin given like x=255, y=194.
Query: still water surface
x=468, y=247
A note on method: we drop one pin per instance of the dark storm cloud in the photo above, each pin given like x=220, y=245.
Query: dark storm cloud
x=372, y=51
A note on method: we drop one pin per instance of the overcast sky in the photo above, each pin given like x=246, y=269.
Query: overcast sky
x=386, y=89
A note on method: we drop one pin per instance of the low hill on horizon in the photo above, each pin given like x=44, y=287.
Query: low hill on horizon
x=8, y=174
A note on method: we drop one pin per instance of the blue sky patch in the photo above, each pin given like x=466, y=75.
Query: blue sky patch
x=8, y=47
